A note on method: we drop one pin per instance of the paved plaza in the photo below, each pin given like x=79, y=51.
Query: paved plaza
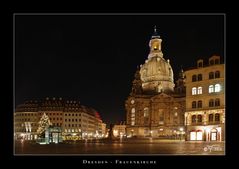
x=122, y=147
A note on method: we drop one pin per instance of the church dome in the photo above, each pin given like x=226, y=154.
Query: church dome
x=156, y=73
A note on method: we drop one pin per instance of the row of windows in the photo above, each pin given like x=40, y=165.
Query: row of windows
x=52, y=114
x=198, y=118
x=73, y=125
x=211, y=89
x=55, y=118
x=211, y=75
x=198, y=104
x=56, y=124
x=22, y=120
x=51, y=108
x=72, y=114
x=72, y=130
x=72, y=120
x=27, y=114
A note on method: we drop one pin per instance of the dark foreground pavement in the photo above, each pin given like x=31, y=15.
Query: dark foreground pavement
x=122, y=147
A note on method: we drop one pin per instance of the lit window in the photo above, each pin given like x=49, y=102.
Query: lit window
x=133, y=110
x=192, y=135
x=146, y=112
x=199, y=90
x=217, y=88
x=194, y=91
x=211, y=89
x=175, y=114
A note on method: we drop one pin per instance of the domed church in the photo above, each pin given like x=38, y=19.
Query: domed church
x=155, y=106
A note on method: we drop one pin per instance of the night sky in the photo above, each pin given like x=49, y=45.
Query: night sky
x=93, y=58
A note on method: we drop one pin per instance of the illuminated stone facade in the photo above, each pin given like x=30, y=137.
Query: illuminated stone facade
x=75, y=120
x=153, y=107
x=205, y=101
x=119, y=130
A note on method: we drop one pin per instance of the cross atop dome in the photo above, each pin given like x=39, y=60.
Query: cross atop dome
x=155, y=34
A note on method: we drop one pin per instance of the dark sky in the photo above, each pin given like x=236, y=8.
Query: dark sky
x=93, y=58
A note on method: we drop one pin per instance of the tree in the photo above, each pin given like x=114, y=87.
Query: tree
x=44, y=123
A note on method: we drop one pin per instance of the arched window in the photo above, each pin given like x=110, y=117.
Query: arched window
x=210, y=119
x=217, y=102
x=133, y=110
x=194, y=91
x=200, y=90
x=200, y=104
x=194, y=119
x=146, y=112
x=200, y=64
x=212, y=62
x=217, y=88
x=199, y=77
x=211, y=75
x=217, y=117
x=210, y=89
x=194, y=78
x=199, y=118
x=217, y=74
x=161, y=116
x=211, y=103
x=194, y=104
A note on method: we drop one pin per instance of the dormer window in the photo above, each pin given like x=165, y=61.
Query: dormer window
x=211, y=62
